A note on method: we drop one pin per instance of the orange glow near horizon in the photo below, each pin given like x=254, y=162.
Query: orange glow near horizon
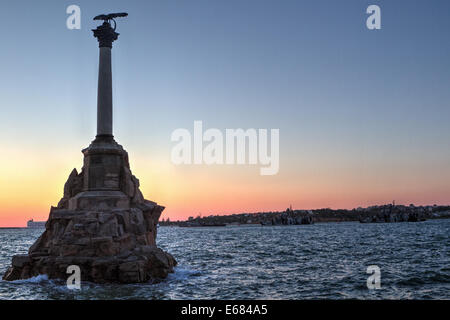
x=33, y=183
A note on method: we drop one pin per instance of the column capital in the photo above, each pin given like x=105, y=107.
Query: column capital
x=105, y=35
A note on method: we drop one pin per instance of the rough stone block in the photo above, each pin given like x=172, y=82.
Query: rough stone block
x=20, y=260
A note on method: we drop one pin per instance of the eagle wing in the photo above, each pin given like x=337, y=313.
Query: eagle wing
x=110, y=16
x=101, y=17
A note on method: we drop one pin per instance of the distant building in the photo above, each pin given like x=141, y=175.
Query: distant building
x=35, y=224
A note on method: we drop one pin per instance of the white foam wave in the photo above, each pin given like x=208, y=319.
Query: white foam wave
x=37, y=279
x=183, y=273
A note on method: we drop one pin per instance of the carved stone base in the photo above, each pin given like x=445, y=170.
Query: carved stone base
x=109, y=246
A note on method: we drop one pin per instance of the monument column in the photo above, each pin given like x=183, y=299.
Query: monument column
x=106, y=36
x=103, y=224
x=104, y=159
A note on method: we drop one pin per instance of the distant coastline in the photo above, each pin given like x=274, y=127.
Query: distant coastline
x=374, y=214
x=13, y=228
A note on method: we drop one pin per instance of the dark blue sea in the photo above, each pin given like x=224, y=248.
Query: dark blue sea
x=320, y=261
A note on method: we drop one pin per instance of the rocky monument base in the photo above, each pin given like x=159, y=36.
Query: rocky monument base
x=102, y=224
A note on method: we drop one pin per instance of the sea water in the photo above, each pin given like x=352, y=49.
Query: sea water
x=320, y=261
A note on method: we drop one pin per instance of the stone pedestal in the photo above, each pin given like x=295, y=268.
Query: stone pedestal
x=99, y=200
x=103, y=224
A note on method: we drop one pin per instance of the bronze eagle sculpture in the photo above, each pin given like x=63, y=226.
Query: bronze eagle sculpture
x=111, y=16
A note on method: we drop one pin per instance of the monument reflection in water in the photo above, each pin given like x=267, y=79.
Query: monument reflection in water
x=102, y=224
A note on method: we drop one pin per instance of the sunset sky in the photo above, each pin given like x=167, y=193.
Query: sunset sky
x=363, y=114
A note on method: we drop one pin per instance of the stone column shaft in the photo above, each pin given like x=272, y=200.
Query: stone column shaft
x=105, y=35
x=104, y=94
